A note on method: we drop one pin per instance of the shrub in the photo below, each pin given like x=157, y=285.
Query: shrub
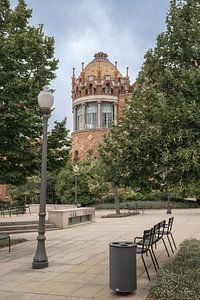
x=4, y=243
x=178, y=280
x=149, y=205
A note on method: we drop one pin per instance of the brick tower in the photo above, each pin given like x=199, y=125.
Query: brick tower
x=98, y=95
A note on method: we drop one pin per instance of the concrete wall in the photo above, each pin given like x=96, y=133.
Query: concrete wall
x=61, y=217
x=49, y=207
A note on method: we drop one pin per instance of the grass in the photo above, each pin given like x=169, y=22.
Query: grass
x=4, y=243
x=179, y=280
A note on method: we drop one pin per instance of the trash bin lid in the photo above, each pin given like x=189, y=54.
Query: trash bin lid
x=123, y=244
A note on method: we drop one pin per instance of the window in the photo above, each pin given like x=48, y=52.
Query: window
x=90, y=78
x=107, y=77
x=107, y=89
x=79, y=117
x=90, y=89
x=107, y=111
x=76, y=155
x=91, y=115
x=122, y=90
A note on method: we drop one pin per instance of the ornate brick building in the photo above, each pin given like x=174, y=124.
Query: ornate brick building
x=4, y=192
x=98, y=95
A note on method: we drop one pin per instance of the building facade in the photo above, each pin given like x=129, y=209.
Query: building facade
x=98, y=95
x=4, y=193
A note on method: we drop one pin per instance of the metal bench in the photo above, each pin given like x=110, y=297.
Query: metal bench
x=150, y=239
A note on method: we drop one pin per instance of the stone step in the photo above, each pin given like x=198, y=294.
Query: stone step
x=25, y=230
x=20, y=227
x=2, y=223
x=24, y=226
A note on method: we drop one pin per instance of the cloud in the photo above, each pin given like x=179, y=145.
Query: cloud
x=124, y=29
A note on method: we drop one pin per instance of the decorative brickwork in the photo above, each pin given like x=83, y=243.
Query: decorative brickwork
x=4, y=193
x=98, y=96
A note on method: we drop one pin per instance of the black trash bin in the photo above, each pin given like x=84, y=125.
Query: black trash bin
x=122, y=267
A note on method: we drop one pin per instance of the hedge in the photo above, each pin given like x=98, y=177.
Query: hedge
x=179, y=280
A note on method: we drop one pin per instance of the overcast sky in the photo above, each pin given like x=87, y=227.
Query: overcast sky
x=124, y=29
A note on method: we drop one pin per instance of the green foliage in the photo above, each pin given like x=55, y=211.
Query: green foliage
x=65, y=185
x=58, y=154
x=179, y=279
x=148, y=204
x=26, y=64
x=156, y=144
x=121, y=215
x=89, y=184
x=59, y=146
x=27, y=193
x=4, y=243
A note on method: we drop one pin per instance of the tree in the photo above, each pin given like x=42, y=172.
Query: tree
x=158, y=139
x=26, y=64
x=59, y=146
x=113, y=170
x=28, y=193
x=90, y=185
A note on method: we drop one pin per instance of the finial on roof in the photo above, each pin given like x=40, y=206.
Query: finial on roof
x=116, y=64
x=82, y=65
x=127, y=71
x=73, y=72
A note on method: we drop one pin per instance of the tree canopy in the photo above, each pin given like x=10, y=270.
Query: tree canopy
x=27, y=63
x=59, y=146
x=158, y=137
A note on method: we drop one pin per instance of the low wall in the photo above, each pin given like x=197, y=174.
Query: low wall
x=64, y=218
x=35, y=207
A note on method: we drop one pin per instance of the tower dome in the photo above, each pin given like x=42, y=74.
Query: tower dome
x=101, y=64
x=97, y=96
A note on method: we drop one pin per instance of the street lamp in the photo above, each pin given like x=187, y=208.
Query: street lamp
x=76, y=173
x=168, y=203
x=163, y=175
x=40, y=260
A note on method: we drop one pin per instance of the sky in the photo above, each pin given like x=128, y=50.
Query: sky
x=124, y=29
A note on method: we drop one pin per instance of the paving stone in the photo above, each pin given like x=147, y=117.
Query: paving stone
x=79, y=256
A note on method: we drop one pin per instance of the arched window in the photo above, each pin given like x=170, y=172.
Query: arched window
x=122, y=90
x=79, y=117
x=90, y=89
x=91, y=115
x=76, y=157
x=107, y=111
x=107, y=88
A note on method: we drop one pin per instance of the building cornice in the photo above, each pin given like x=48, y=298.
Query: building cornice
x=95, y=98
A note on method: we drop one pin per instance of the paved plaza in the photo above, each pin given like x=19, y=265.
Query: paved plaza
x=78, y=257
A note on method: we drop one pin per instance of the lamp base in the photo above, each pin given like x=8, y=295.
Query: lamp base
x=40, y=264
x=169, y=211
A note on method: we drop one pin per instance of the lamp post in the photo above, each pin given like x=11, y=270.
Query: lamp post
x=40, y=260
x=168, y=203
x=164, y=175
x=76, y=173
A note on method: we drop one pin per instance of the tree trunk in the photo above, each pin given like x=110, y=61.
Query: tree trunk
x=116, y=197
